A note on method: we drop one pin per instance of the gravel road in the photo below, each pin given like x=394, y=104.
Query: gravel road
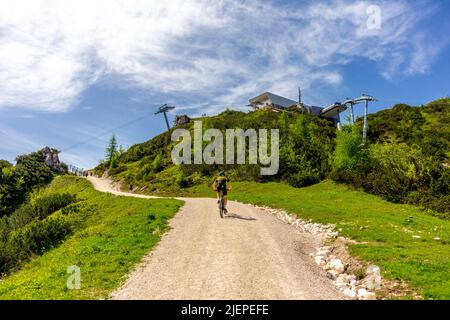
x=247, y=255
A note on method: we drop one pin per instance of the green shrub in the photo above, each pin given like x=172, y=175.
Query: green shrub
x=19, y=218
x=438, y=204
x=351, y=161
x=11, y=191
x=157, y=164
x=78, y=212
x=46, y=205
x=33, y=171
x=29, y=228
x=24, y=233
x=39, y=235
x=427, y=127
x=303, y=178
x=183, y=181
x=34, y=238
x=30, y=172
x=117, y=168
x=395, y=171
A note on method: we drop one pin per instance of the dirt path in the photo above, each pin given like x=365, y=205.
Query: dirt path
x=248, y=255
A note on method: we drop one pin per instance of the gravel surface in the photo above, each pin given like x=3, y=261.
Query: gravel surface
x=247, y=255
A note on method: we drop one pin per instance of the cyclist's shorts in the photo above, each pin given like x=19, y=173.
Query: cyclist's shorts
x=224, y=191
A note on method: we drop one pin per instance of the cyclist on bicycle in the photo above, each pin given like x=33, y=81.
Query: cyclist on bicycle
x=221, y=183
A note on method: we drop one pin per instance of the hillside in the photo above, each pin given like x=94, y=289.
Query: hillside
x=402, y=162
x=305, y=144
x=102, y=234
x=427, y=126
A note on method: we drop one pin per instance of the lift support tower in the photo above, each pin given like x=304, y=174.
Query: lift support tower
x=164, y=109
x=365, y=98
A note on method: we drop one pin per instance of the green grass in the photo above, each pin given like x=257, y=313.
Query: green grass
x=113, y=240
x=384, y=231
x=120, y=234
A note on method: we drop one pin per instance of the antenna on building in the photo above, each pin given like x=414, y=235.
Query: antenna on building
x=164, y=109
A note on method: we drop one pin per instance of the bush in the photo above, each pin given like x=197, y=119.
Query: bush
x=114, y=162
x=183, y=181
x=32, y=229
x=33, y=171
x=302, y=136
x=157, y=164
x=117, y=168
x=439, y=204
x=395, y=171
x=427, y=127
x=17, y=181
x=19, y=218
x=46, y=205
x=304, y=178
x=351, y=161
x=35, y=238
x=11, y=192
x=23, y=234
x=78, y=213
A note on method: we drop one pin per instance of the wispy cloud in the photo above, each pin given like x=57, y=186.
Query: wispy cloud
x=15, y=143
x=221, y=52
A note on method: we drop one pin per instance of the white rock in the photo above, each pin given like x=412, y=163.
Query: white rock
x=373, y=279
x=322, y=252
x=351, y=293
x=341, y=286
x=370, y=296
x=416, y=237
x=342, y=278
x=332, y=275
x=337, y=265
x=437, y=239
x=373, y=270
x=361, y=293
x=319, y=261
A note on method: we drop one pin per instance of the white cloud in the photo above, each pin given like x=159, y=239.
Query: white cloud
x=222, y=52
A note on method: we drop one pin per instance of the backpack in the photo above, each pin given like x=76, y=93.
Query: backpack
x=221, y=183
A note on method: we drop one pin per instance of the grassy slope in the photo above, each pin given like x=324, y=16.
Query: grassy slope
x=114, y=240
x=384, y=231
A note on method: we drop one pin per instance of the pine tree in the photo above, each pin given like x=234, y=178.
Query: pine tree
x=111, y=150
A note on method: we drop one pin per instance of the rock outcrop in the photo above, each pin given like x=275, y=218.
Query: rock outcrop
x=51, y=159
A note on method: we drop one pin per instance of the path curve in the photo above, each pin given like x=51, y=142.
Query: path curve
x=248, y=255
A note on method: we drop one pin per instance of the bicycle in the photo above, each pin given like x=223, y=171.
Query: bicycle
x=221, y=204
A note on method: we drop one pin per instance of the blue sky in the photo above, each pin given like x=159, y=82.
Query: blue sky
x=73, y=72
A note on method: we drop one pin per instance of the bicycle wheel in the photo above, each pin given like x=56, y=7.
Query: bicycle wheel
x=221, y=206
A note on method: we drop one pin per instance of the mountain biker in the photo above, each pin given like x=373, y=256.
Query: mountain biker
x=221, y=183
